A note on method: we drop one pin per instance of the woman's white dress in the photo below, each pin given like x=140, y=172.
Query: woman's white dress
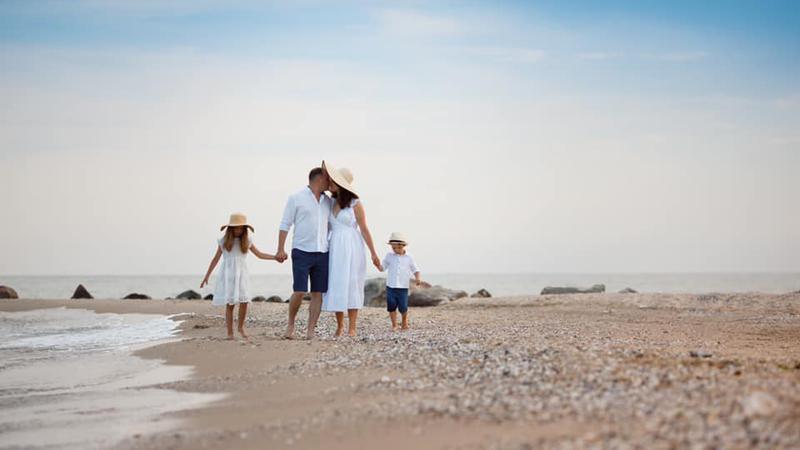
x=347, y=266
x=232, y=278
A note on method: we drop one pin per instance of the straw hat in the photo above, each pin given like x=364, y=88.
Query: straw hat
x=398, y=238
x=342, y=177
x=238, y=220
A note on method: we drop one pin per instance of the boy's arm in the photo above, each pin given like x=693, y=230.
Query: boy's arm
x=260, y=254
x=415, y=271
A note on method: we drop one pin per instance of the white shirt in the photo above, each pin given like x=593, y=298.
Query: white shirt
x=310, y=220
x=400, y=269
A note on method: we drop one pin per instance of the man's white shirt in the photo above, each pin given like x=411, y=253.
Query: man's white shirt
x=399, y=269
x=310, y=220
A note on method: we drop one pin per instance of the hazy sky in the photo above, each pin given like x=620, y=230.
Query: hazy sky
x=552, y=136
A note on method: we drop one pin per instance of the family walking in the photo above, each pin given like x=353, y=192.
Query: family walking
x=328, y=257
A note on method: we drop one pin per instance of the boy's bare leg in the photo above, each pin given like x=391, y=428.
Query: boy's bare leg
x=393, y=316
x=313, y=313
x=294, y=307
x=229, y=320
x=242, y=318
x=352, y=316
x=405, y=320
x=339, y=324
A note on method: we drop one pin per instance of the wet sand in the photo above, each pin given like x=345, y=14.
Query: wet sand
x=574, y=371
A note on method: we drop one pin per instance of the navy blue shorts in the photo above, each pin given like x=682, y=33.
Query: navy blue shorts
x=313, y=265
x=396, y=298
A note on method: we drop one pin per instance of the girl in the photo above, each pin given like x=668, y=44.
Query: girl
x=231, y=288
x=347, y=259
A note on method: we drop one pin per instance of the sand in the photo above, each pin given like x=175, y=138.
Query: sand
x=573, y=371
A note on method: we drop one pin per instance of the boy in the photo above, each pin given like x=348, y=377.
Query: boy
x=400, y=267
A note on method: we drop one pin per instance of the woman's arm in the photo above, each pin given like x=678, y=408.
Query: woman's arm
x=259, y=254
x=211, y=266
x=361, y=218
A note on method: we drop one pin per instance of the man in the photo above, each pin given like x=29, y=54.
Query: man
x=308, y=212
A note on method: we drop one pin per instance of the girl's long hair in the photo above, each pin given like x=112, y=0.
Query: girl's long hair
x=244, y=241
x=343, y=197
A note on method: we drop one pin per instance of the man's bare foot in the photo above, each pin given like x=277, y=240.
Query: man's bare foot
x=351, y=333
x=405, y=326
x=289, y=333
x=339, y=332
x=394, y=327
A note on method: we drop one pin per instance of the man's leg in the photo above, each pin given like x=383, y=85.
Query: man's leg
x=294, y=307
x=313, y=313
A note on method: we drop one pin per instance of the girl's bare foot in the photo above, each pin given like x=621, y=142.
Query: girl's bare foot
x=289, y=333
x=244, y=335
x=229, y=338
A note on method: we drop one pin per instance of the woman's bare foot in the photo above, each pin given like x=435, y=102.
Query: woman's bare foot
x=339, y=332
x=351, y=333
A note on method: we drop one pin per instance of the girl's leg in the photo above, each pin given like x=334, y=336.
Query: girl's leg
x=352, y=316
x=393, y=316
x=339, y=324
x=229, y=320
x=242, y=317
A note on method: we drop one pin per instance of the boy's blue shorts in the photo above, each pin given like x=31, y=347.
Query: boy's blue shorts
x=313, y=265
x=397, y=298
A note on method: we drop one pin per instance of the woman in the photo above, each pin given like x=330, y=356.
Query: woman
x=347, y=261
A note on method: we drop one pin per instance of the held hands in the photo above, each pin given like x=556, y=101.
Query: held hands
x=281, y=256
x=377, y=262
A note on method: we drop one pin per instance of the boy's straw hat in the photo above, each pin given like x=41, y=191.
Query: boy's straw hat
x=398, y=238
x=238, y=220
x=342, y=177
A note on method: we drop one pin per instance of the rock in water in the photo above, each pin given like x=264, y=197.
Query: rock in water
x=136, y=296
x=482, y=293
x=189, y=295
x=556, y=290
x=628, y=290
x=258, y=298
x=275, y=299
x=209, y=297
x=7, y=292
x=433, y=296
x=81, y=292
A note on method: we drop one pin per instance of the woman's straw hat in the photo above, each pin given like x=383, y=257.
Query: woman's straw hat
x=238, y=220
x=398, y=238
x=342, y=177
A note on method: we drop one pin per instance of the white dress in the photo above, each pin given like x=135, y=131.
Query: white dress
x=347, y=263
x=232, y=277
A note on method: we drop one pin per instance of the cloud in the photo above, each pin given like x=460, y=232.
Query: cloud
x=415, y=23
x=598, y=56
x=681, y=56
x=515, y=55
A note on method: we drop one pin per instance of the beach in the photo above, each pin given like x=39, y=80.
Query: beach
x=562, y=371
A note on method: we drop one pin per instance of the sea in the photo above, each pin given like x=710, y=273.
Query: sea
x=69, y=378
x=166, y=286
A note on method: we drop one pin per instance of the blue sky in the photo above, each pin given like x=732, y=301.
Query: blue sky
x=605, y=135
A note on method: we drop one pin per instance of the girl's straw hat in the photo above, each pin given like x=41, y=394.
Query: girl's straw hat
x=398, y=238
x=238, y=220
x=342, y=177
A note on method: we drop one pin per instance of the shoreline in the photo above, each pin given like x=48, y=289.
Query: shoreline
x=562, y=370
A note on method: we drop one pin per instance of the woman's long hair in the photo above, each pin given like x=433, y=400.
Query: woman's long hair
x=343, y=197
x=244, y=241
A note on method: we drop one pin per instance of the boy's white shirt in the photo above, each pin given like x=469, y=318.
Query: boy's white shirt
x=399, y=269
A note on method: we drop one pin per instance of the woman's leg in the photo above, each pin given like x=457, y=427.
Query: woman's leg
x=242, y=318
x=352, y=316
x=339, y=324
x=229, y=320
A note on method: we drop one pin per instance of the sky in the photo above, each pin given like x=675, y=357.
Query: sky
x=552, y=136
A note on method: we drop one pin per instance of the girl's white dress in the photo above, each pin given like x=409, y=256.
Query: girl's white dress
x=232, y=277
x=347, y=266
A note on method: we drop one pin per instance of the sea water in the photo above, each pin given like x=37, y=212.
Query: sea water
x=68, y=378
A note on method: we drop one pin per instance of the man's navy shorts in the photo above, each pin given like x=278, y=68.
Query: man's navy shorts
x=313, y=265
x=396, y=298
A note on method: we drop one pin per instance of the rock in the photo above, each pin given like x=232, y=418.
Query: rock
x=556, y=290
x=482, y=293
x=759, y=404
x=7, y=292
x=307, y=297
x=81, y=292
x=433, y=296
x=258, y=298
x=135, y=296
x=188, y=295
x=700, y=354
x=375, y=289
x=275, y=299
x=200, y=327
x=209, y=297
x=628, y=290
